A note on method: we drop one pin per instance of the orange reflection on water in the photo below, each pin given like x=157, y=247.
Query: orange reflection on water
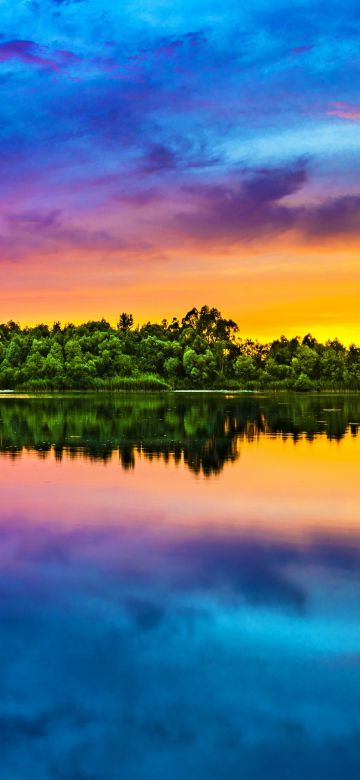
x=275, y=486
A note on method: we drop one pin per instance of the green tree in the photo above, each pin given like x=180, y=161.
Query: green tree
x=245, y=369
x=125, y=322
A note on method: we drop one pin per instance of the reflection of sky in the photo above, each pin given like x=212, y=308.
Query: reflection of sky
x=154, y=625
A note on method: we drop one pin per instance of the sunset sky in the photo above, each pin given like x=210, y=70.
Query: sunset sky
x=158, y=155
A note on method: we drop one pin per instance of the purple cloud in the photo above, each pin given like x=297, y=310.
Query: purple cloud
x=34, y=219
x=25, y=51
x=38, y=227
x=159, y=158
x=272, y=184
x=255, y=207
x=168, y=49
x=334, y=216
x=239, y=211
x=58, y=60
x=302, y=49
x=183, y=155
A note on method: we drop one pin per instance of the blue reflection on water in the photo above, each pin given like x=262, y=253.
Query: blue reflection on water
x=128, y=655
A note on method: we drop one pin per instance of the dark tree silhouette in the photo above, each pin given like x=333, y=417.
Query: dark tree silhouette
x=126, y=321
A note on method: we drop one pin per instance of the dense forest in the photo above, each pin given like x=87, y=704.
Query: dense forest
x=202, y=350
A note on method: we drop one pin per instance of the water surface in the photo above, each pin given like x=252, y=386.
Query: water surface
x=180, y=587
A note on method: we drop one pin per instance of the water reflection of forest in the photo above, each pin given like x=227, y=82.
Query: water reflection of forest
x=205, y=430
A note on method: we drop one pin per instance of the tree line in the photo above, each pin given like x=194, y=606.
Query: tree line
x=201, y=350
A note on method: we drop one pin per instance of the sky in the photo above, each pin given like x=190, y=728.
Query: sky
x=160, y=155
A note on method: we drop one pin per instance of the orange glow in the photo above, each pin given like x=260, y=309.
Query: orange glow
x=283, y=289
x=276, y=487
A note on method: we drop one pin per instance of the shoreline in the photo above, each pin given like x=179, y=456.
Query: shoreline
x=30, y=393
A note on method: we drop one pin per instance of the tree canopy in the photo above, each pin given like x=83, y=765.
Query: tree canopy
x=202, y=350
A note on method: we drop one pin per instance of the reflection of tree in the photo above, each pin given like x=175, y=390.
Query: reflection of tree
x=204, y=430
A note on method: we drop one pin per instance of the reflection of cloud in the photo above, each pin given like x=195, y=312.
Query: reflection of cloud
x=232, y=567
x=241, y=568
x=108, y=665
x=146, y=614
x=15, y=727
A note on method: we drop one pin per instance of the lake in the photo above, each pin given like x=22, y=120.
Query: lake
x=180, y=587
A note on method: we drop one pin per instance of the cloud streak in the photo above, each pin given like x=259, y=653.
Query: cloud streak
x=27, y=52
x=345, y=111
x=258, y=207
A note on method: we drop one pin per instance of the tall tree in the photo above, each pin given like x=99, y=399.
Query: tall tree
x=126, y=321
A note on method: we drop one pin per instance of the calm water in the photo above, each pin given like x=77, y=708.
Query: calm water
x=180, y=587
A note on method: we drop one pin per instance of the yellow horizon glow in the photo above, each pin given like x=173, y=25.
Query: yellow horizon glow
x=287, y=289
